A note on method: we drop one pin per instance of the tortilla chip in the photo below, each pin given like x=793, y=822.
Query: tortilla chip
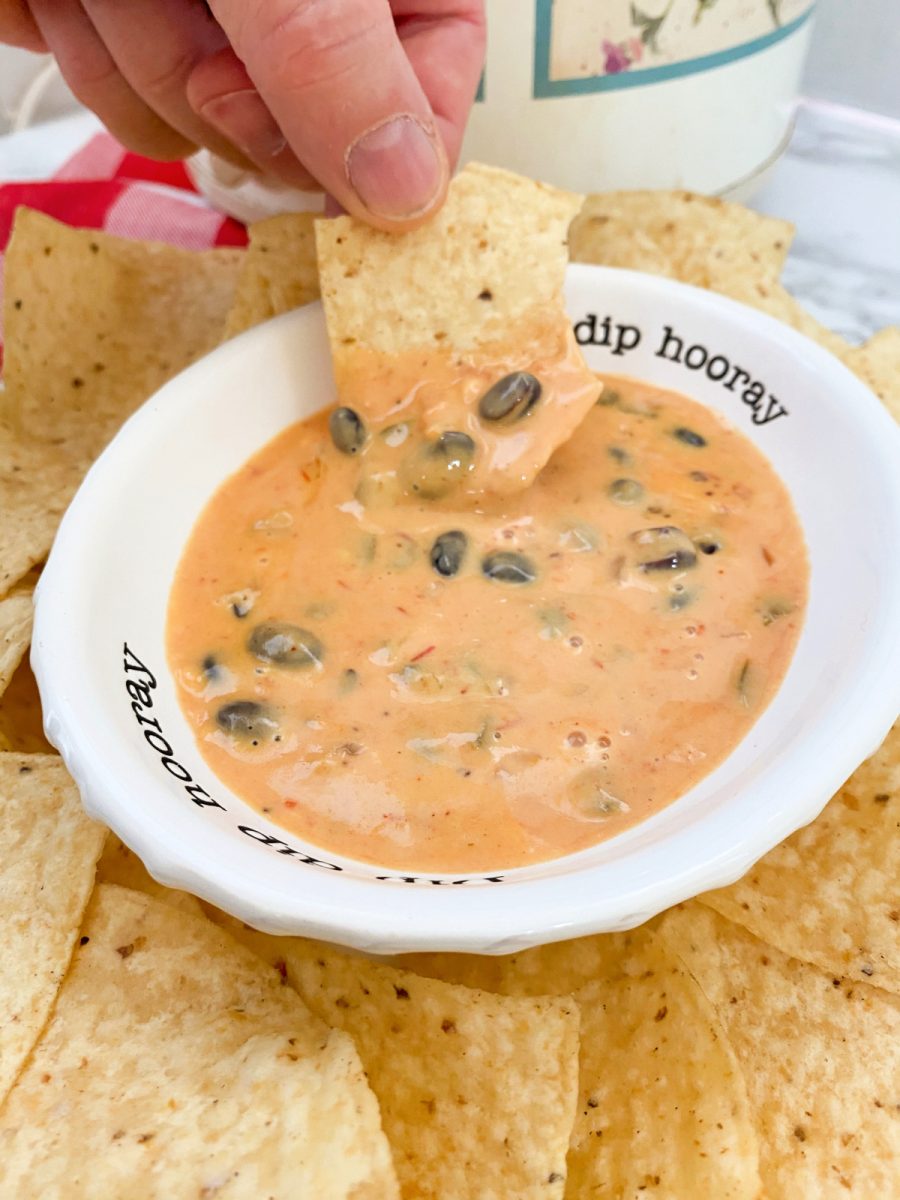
x=557, y=969
x=663, y=1107
x=877, y=363
x=120, y=865
x=477, y=1092
x=662, y=1104
x=697, y=239
x=700, y=240
x=21, y=718
x=278, y=271
x=16, y=611
x=50, y=849
x=176, y=1065
x=777, y=301
x=828, y=895
x=95, y=324
x=497, y=231
x=442, y=313
x=821, y=1057
x=36, y=485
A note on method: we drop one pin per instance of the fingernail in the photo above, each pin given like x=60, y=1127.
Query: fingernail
x=396, y=168
x=244, y=119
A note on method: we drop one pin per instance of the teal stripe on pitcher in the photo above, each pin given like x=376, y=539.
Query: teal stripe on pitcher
x=545, y=87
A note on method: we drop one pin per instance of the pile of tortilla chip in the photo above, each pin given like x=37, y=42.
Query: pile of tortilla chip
x=745, y=1044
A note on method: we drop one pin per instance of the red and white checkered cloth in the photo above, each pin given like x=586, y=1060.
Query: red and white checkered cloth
x=105, y=187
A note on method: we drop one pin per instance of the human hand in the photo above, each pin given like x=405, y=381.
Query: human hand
x=364, y=99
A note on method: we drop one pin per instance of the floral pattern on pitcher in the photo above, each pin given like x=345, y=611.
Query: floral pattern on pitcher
x=595, y=41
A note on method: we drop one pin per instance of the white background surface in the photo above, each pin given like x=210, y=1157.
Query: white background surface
x=839, y=181
x=853, y=60
x=854, y=54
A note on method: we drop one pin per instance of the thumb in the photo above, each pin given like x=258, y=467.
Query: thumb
x=337, y=80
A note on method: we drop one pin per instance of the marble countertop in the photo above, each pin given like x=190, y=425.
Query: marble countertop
x=839, y=182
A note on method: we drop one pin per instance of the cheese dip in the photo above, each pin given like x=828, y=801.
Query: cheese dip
x=442, y=686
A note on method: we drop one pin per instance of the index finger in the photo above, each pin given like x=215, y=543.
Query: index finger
x=445, y=42
x=18, y=27
x=343, y=91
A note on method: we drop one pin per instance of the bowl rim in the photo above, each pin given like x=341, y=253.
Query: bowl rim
x=556, y=907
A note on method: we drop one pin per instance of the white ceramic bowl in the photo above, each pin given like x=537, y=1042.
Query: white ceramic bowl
x=107, y=582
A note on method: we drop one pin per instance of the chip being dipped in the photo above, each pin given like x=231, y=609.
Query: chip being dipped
x=458, y=331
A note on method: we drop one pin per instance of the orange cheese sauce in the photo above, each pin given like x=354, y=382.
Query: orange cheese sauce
x=570, y=661
x=440, y=390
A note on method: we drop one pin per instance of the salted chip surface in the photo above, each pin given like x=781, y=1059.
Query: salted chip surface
x=477, y=1091
x=662, y=1105
x=877, y=363
x=700, y=240
x=16, y=612
x=829, y=894
x=278, y=271
x=36, y=485
x=176, y=1065
x=820, y=1056
x=95, y=324
x=556, y=969
x=50, y=850
x=697, y=239
x=21, y=718
x=423, y=324
x=118, y=864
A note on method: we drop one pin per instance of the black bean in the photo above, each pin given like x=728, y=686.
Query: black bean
x=625, y=491
x=454, y=447
x=211, y=667
x=347, y=430
x=434, y=469
x=246, y=718
x=620, y=455
x=506, y=566
x=688, y=436
x=708, y=546
x=448, y=552
x=677, y=560
x=664, y=548
x=511, y=398
x=286, y=645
